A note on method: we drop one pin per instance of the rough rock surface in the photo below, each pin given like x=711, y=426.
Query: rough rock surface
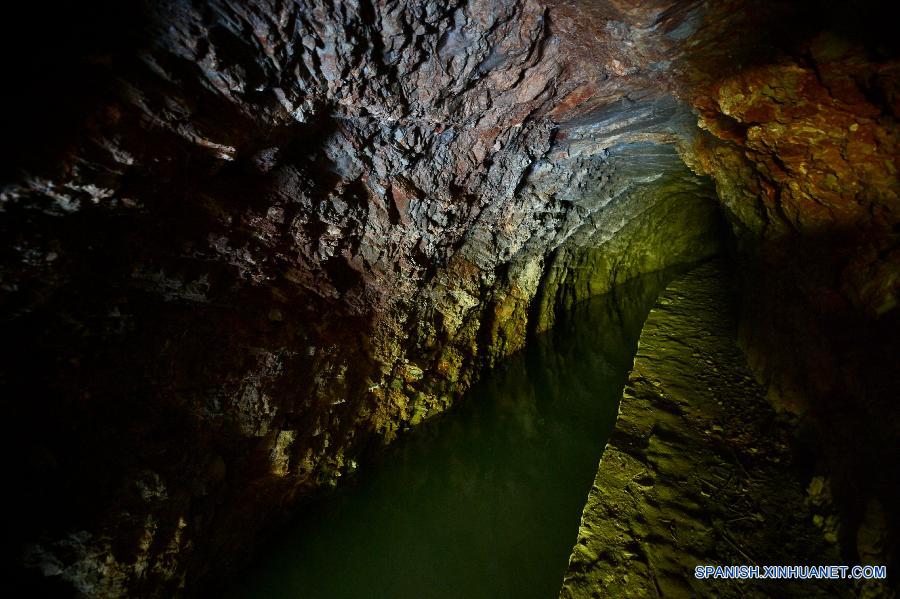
x=802, y=145
x=275, y=232
x=698, y=470
x=245, y=240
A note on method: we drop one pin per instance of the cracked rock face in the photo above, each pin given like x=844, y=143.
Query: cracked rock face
x=257, y=237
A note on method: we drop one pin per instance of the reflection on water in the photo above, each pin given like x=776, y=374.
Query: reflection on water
x=483, y=501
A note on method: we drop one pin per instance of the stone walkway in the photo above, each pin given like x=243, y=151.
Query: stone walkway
x=698, y=470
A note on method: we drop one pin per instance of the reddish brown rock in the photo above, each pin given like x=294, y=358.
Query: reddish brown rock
x=236, y=232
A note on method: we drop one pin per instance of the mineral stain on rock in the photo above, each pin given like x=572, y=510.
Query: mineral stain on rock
x=247, y=244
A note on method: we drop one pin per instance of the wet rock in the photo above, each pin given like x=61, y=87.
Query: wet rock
x=268, y=234
x=668, y=494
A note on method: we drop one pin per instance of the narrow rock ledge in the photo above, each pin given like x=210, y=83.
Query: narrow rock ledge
x=699, y=469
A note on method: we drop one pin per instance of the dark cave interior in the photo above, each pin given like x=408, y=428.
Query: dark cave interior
x=251, y=245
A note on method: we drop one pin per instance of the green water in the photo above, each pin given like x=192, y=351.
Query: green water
x=482, y=501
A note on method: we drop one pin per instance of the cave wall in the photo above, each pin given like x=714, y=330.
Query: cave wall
x=801, y=141
x=272, y=234
x=678, y=222
x=248, y=241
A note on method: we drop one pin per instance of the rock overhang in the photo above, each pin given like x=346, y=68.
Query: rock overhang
x=385, y=184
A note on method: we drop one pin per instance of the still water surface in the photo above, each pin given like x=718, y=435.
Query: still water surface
x=483, y=501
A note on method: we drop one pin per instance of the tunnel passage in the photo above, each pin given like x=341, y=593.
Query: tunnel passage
x=259, y=240
x=482, y=501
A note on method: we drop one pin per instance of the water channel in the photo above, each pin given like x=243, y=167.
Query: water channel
x=484, y=500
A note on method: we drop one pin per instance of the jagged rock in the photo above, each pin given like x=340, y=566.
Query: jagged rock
x=246, y=240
